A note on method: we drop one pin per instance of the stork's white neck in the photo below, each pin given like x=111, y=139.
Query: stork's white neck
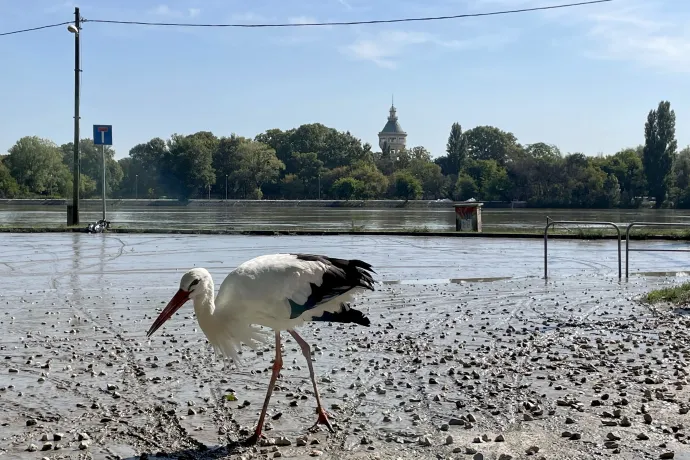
x=204, y=305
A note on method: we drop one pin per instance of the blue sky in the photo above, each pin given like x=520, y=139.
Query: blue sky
x=582, y=78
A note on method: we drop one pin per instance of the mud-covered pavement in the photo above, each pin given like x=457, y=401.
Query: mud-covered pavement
x=470, y=354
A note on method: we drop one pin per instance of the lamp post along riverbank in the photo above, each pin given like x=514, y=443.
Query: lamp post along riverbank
x=76, y=30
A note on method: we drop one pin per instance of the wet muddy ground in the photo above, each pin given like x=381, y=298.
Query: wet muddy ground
x=471, y=354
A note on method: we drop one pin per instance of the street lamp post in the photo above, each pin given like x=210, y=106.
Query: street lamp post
x=76, y=30
x=226, y=187
x=136, y=186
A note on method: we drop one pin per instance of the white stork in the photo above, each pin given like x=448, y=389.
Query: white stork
x=278, y=291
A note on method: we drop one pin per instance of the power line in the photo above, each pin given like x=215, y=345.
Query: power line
x=34, y=28
x=317, y=24
x=352, y=23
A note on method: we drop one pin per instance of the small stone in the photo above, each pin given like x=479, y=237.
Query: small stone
x=569, y=421
x=667, y=455
x=575, y=436
x=283, y=441
x=648, y=419
x=456, y=422
x=471, y=419
x=425, y=441
x=191, y=411
x=277, y=454
x=30, y=422
x=302, y=441
x=500, y=438
x=532, y=450
x=468, y=451
x=449, y=440
x=478, y=456
x=58, y=436
x=83, y=445
x=625, y=421
x=505, y=457
x=83, y=437
x=47, y=446
x=642, y=437
x=32, y=448
x=315, y=453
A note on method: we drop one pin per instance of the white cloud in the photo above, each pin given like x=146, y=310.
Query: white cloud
x=166, y=11
x=345, y=4
x=384, y=49
x=302, y=20
x=248, y=16
x=646, y=32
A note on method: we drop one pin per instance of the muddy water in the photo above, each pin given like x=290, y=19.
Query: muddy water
x=458, y=328
x=239, y=217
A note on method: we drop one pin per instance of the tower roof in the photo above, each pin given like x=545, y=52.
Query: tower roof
x=392, y=126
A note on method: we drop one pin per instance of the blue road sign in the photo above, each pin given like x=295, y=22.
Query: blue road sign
x=103, y=134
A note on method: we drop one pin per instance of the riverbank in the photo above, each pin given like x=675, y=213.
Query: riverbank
x=369, y=204
x=558, y=233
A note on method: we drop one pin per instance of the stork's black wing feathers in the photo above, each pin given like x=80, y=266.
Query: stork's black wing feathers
x=341, y=276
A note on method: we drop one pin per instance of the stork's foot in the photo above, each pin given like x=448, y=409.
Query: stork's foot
x=322, y=420
x=253, y=439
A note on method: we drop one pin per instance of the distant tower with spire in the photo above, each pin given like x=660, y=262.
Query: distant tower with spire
x=392, y=135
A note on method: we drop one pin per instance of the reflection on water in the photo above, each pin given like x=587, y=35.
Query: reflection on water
x=271, y=217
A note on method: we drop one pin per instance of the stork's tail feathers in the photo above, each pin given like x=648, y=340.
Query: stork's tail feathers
x=346, y=314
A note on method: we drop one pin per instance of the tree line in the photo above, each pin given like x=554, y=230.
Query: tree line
x=314, y=161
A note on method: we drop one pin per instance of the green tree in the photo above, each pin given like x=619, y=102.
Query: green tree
x=36, y=164
x=456, y=148
x=308, y=168
x=626, y=166
x=143, y=176
x=466, y=187
x=659, y=150
x=187, y=166
x=434, y=183
x=372, y=183
x=491, y=143
x=91, y=161
x=258, y=165
x=406, y=186
x=8, y=185
x=346, y=188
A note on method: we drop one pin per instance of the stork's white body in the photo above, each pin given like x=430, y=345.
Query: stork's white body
x=258, y=293
x=277, y=291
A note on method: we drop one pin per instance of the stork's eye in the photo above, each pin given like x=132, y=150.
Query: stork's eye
x=194, y=283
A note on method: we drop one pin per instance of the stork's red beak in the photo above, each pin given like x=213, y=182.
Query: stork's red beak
x=175, y=303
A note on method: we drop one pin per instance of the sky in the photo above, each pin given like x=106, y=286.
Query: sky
x=582, y=78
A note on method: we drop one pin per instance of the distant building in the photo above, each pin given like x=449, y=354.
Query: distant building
x=392, y=135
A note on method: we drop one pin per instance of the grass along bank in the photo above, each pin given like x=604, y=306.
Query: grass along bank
x=677, y=296
x=517, y=232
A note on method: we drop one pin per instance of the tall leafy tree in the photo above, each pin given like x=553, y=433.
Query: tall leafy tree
x=36, y=164
x=456, y=148
x=659, y=150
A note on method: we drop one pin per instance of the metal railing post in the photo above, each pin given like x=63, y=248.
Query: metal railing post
x=648, y=224
x=551, y=223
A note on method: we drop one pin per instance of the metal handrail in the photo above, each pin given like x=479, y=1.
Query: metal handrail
x=551, y=223
x=648, y=224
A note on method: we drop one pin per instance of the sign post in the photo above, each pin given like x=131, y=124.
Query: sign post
x=103, y=135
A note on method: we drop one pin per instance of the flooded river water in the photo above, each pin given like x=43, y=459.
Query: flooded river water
x=286, y=217
x=459, y=328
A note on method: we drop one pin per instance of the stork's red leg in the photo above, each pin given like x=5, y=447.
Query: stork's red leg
x=277, y=365
x=306, y=351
